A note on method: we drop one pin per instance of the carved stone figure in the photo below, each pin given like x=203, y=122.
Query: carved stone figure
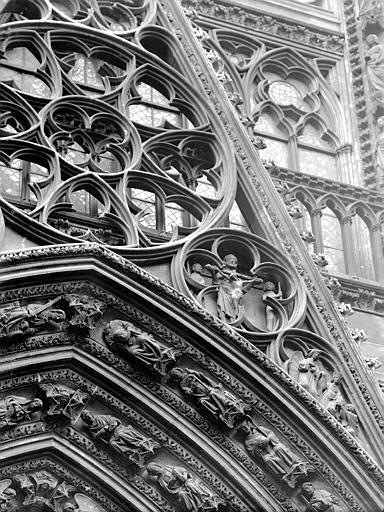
x=270, y=315
x=130, y=341
x=86, y=311
x=375, y=63
x=262, y=442
x=210, y=396
x=17, y=409
x=231, y=288
x=20, y=322
x=124, y=439
x=196, y=274
x=332, y=400
x=8, y=502
x=319, y=500
x=63, y=400
x=189, y=493
x=307, y=372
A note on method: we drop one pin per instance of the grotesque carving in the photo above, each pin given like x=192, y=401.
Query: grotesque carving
x=20, y=322
x=123, y=439
x=210, y=396
x=18, y=409
x=306, y=371
x=188, y=493
x=8, y=501
x=85, y=311
x=231, y=288
x=269, y=292
x=262, y=442
x=130, y=341
x=64, y=401
x=319, y=500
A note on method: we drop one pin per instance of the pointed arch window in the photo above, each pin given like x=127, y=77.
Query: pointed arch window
x=332, y=241
x=277, y=145
x=362, y=248
x=316, y=154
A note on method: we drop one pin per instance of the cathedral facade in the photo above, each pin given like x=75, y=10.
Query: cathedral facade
x=191, y=265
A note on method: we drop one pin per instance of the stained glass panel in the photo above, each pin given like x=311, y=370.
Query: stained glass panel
x=145, y=200
x=11, y=178
x=312, y=136
x=362, y=249
x=284, y=93
x=267, y=124
x=332, y=240
x=173, y=215
x=205, y=187
x=276, y=151
x=318, y=163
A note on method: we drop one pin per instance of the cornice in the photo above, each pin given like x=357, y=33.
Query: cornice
x=328, y=41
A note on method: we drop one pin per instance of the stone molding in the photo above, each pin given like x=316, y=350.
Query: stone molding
x=260, y=22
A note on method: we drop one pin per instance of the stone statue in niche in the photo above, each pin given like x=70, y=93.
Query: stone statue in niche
x=307, y=372
x=332, y=400
x=210, y=396
x=231, y=288
x=375, y=64
x=319, y=500
x=18, y=409
x=197, y=273
x=130, y=341
x=123, y=439
x=262, y=442
x=188, y=492
x=20, y=322
x=270, y=315
x=63, y=401
x=85, y=311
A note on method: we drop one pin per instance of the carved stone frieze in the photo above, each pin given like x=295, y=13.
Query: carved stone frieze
x=210, y=396
x=267, y=24
x=263, y=443
x=188, y=493
x=123, y=439
x=132, y=342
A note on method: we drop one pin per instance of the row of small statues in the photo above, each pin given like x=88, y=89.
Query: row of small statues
x=18, y=322
x=65, y=402
x=232, y=286
x=42, y=491
x=125, y=338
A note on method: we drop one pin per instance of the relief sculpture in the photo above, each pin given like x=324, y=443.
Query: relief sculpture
x=133, y=343
x=262, y=442
x=123, y=439
x=210, y=396
x=20, y=322
x=188, y=493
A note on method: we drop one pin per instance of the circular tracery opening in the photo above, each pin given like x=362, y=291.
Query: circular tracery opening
x=284, y=93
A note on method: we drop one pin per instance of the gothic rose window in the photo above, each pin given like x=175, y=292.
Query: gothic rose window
x=284, y=93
